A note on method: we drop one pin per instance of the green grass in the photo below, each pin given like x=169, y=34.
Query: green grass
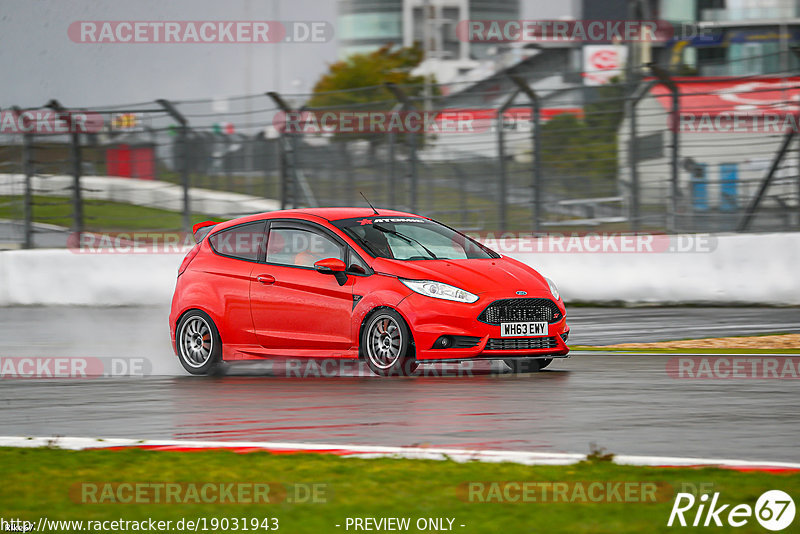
x=37, y=482
x=99, y=215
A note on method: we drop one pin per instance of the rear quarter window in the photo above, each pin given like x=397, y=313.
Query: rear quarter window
x=243, y=242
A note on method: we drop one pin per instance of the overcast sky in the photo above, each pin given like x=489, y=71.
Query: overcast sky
x=39, y=61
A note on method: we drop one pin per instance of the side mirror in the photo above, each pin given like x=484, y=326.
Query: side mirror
x=333, y=266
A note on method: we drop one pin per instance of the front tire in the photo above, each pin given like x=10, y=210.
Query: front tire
x=387, y=345
x=198, y=343
x=527, y=365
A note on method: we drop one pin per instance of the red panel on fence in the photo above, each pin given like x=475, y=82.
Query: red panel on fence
x=131, y=162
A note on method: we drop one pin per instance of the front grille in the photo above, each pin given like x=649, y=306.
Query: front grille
x=529, y=343
x=513, y=310
x=465, y=342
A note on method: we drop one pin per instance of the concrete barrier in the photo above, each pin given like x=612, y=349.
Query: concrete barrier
x=62, y=277
x=729, y=269
x=720, y=269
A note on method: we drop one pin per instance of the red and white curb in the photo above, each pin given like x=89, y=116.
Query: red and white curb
x=369, y=451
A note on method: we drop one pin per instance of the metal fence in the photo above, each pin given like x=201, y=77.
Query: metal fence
x=510, y=157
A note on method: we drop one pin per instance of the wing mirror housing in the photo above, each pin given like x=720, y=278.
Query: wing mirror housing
x=333, y=266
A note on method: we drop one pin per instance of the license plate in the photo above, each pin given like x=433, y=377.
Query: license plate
x=535, y=329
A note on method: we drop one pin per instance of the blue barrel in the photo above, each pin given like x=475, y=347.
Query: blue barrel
x=728, y=186
x=699, y=187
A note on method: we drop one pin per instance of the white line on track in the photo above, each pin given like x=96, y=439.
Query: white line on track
x=370, y=451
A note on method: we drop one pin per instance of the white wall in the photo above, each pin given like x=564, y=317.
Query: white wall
x=735, y=269
x=61, y=277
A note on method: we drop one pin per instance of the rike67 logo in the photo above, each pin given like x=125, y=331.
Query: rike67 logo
x=774, y=510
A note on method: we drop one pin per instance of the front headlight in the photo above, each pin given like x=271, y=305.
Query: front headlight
x=553, y=289
x=438, y=290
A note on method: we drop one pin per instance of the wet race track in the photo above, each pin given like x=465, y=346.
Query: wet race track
x=625, y=403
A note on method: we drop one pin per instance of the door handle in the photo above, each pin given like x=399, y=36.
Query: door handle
x=265, y=279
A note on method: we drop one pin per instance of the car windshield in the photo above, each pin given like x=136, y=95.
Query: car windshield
x=411, y=238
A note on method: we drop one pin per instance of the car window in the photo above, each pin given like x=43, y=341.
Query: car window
x=244, y=242
x=301, y=248
x=357, y=265
x=411, y=238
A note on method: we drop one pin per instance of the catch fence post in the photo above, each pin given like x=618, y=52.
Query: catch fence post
x=183, y=144
x=536, y=112
x=27, y=170
x=406, y=105
x=502, y=209
x=674, y=122
x=76, y=164
x=288, y=144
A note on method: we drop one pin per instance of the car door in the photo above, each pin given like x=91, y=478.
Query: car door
x=294, y=307
x=227, y=273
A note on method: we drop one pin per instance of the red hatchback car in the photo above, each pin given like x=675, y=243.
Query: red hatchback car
x=393, y=288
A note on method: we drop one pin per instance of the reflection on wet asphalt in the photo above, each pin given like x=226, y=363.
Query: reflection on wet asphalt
x=625, y=403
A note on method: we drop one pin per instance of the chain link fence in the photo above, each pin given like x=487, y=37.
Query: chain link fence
x=662, y=154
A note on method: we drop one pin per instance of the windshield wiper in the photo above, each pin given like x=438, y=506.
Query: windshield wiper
x=409, y=240
x=366, y=245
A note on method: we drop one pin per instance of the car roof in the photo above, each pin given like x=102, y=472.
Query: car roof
x=334, y=214
x=328, y=214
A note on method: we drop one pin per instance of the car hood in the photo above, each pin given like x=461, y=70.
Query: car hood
x=476, y=276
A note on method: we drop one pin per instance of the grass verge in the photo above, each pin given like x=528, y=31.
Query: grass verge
x=757, y=344
x=661, y=350
x=46, y=482
x=99, y=215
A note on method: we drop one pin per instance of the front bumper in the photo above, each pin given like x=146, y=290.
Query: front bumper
x=430, y=319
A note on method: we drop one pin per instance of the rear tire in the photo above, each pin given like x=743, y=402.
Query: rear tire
x=387, y=345
x=527, y=365
x=198, y=343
